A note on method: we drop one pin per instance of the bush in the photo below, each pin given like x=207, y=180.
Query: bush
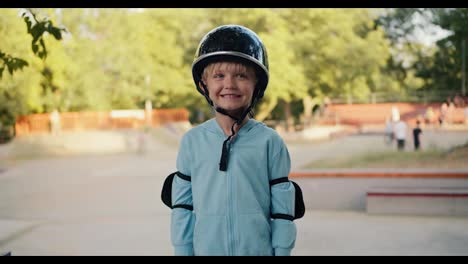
x=6, y=134
x=7, y=127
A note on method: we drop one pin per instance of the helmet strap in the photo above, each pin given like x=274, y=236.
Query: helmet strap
x=227, y=143
x=206, y=93
x=223, y=163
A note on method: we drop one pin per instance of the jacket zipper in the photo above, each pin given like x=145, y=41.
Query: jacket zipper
x=231, y=224
x=233, y=207
x=228, y=214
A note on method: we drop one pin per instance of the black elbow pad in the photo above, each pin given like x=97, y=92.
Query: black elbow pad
x=299, y=207
x=166, y=193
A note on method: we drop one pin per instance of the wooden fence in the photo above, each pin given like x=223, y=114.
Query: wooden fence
x=78, y=121
x=366, y=114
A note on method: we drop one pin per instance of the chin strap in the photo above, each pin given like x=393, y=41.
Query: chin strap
x=226, y=149
x=223, y=163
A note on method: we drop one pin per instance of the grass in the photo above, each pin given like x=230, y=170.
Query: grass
x=454, y=158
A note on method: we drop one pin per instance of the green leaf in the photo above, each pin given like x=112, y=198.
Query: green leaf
x=18, y=64
x=35, y=48
x=10, y=68
x=28, y=23
x=55, y=31
x=37, y=31
x=42, y=54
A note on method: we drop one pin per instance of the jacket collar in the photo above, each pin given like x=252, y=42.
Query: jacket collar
x=213, y=126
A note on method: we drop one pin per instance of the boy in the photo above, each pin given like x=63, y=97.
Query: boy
x=232, y=195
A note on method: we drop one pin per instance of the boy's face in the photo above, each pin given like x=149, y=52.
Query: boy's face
x=230, y=85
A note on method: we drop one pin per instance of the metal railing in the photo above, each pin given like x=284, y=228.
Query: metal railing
x=407, y=97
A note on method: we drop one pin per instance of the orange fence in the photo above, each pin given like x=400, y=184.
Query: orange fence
x=74, y=121
x=360, y=114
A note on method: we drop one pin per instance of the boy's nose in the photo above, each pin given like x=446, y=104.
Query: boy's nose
x=229, y=82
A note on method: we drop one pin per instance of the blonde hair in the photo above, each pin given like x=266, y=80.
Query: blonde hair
x=224, y=65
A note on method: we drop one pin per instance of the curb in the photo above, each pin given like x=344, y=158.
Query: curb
x=380, y=174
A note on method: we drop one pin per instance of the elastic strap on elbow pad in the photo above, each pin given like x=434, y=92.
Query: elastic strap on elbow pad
x=166, y=193
x=299, y=207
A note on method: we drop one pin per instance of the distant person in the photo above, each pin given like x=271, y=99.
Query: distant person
x=149, y=113
x=466, y=114
x=395, y=114
x=389, y=135
x=443, y=114
x=417, y=131
x=450, y=113
x=459, y=101
x=326, y=106
x=55, y=125
x=400, y=134
x=429, y=116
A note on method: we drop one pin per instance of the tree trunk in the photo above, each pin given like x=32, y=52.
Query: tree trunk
x=288, y=117
x=308, y=102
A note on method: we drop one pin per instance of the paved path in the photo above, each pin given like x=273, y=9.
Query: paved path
x=110, y=205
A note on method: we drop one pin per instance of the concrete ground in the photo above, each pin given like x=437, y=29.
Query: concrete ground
x=358, y=144
x=109, y=204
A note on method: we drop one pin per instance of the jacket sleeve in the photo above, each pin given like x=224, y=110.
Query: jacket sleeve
x=182, y=219
x=282, y=202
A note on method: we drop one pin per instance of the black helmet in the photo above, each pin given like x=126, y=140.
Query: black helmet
x=232, y=42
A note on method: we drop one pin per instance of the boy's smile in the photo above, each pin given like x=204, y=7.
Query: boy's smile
x=231, y=96
x=231, y=100
x=230, y=85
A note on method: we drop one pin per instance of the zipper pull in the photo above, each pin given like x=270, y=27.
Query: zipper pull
x=225, y=155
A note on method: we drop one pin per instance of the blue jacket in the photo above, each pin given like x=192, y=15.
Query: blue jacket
x=232, y=209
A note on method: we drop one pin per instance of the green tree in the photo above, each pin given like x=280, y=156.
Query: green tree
x=36, y=28
x=446, y=70
x=16, y=94
x=433, y=72
x=342, y=52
